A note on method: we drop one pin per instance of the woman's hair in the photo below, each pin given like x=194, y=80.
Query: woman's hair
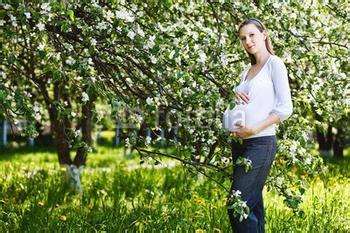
x=261, y=28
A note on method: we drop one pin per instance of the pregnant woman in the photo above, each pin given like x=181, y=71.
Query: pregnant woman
x=265, y=101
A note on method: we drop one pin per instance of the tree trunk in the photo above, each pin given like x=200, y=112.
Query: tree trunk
x=325, y=142
x=338, y=149
x=61, y=142
x=86, y=129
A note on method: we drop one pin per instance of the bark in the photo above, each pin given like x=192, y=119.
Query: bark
x=86, y=129
x=338, y=145
x=325, y=141
x=338, y=149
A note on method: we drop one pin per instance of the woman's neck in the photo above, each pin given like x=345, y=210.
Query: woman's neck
x=261, y=58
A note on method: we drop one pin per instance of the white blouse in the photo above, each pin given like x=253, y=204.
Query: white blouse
x=268, y=93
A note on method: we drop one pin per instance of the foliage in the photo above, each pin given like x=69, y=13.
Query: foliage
x=178, y=60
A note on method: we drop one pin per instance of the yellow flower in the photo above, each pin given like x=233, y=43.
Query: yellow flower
x=63, y=218
x=40, y=203
x=199, y=231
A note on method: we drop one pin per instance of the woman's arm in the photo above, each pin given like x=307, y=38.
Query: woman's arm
x=244, y=132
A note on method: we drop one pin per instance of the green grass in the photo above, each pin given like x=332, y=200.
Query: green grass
x=35, y=198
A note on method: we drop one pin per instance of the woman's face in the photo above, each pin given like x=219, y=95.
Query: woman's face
x=252, y=39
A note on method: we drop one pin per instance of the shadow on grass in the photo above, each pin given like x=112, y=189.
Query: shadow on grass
x=339, y=165
x=7, y=153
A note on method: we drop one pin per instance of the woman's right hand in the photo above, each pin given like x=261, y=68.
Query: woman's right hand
x=242, y=97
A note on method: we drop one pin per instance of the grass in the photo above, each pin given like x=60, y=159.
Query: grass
x=35, y=198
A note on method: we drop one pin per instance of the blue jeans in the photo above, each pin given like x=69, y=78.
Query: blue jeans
x=261, y=151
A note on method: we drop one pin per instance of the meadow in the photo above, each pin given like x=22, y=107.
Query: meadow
x=120, y=195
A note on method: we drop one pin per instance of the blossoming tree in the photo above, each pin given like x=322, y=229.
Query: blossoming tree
x=180, y=59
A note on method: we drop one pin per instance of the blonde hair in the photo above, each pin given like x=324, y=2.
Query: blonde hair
x=261, y=28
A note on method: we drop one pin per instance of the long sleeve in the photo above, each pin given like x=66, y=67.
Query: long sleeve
x=283, y=106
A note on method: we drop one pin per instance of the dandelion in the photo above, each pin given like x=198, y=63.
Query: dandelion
x=63, y=218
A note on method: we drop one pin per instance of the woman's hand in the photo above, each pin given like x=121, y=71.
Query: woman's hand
x=242, y=97
x=244, y=132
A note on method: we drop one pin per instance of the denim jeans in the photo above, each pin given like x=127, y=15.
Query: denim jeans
x=261, y=151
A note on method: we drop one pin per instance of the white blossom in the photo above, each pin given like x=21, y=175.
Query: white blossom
x=40, y=26
x=148, y=140
x=46, y=6
x=84, y=97
x=27, y=14
x=102, y=25
x=36, y=108
x=171, y=55
x=109, y=16
x=131, y=34
x=93, y=43
x=73, y=114
x=202, y=56
x=149, y=100
x=125, y=15
x=308, y=160
x=37, y=116
x=7, y=6
x=2, y=22
x=41, y=47
x=223, y=59
x=153, y=59
x=70, y=60
x=127, y=142
x=150, y=43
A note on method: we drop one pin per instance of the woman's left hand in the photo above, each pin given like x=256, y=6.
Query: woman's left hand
x=244, y=132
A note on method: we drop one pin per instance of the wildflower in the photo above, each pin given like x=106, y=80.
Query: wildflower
x=63, y=218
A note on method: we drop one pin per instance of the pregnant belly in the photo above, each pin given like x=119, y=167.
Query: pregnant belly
x=235, y=117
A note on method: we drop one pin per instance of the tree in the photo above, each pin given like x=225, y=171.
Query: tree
x=179, y=59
